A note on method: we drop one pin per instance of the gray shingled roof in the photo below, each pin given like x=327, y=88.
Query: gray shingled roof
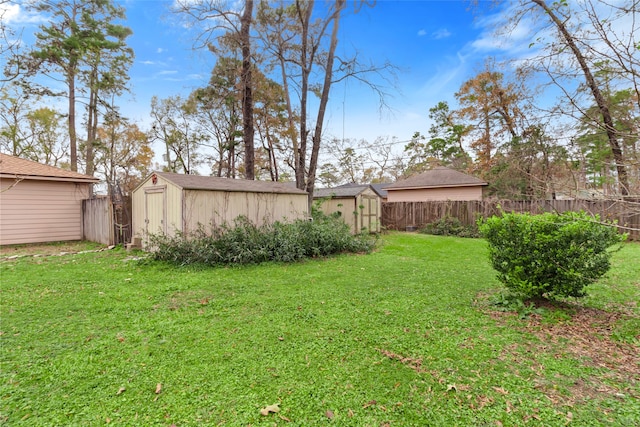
x=198, y=182
x=378, y=188
x=381, y=189
x=342, y=191
x=437, y=177
x=11, y=166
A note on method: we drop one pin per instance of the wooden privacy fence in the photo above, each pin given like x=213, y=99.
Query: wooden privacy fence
x=410, y=215
x=107, y=221
x=97, y=220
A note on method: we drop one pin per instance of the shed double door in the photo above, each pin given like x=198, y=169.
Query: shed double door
x=369, y=214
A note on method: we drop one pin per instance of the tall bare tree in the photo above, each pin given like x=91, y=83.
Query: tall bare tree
x=223, y=28
x=247, y=90
x=575, y=39
x=301, y=45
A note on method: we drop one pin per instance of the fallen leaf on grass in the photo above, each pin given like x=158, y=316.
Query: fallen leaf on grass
x=282, y=417
x=329, y=414
x=120, y=390
x=369, y=403
x=451, y=387
x=158, y=388
x=501, y=390
x=271, y=408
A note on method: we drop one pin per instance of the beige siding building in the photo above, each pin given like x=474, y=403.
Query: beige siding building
x=438, y=184
x=40, y=203
x=168, y=203
x=359, y=206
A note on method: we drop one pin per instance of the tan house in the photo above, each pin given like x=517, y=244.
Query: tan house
x=359, y=206
x=40, y=203
x=440, y=183
x=169, y=202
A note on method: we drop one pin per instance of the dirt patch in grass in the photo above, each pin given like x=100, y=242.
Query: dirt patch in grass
x=586, y=335
x=46, y=249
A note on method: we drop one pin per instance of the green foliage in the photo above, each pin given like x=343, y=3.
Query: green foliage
x=549, y=255
x=450, y=226
x=511, y=302
x=246, y=243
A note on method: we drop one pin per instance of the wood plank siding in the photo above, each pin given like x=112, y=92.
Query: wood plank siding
x=34, y=211
x=169, y=203
x=215, y=208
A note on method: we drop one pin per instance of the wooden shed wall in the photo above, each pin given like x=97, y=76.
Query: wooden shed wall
x=346, y=206
x=165, y=207
x=217, y=207
x=160, y=204
x=35, y=211
x=434, y=194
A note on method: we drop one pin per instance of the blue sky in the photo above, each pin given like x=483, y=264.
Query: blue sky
x=436, y=45
x=431, y=42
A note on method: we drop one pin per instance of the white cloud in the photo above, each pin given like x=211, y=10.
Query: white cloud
x=148, y=62
x=15, y=14
x=9, y=12
x=160, y=50
x=422, y=33
x=441, y=33
x=167, y=72
x=511, y=42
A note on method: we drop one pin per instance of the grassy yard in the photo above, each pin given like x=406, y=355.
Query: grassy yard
x=405, y=336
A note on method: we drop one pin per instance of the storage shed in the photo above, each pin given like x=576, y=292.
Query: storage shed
x=40, y=203
x=169, y=202
x=359, y=206
x=438, y=184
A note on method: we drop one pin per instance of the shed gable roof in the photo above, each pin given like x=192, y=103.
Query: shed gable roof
x=212, y=183
x=381, y=189
x=348, y=190
x=437, y=177
x=11, y=167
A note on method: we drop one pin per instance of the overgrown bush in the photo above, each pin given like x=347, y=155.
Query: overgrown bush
x=245, y=243
x=450, y=226
x=549, y=255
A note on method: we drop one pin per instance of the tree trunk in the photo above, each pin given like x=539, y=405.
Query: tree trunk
x=324, y=98
x=247, y=94
x=290, y=115
x=71, y=120
x=92, y=123
x=301, y=155
x=623, y=181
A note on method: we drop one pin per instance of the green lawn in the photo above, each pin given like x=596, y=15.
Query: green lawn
x=405, y=336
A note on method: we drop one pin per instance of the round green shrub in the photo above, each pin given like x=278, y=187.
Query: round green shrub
x=549, y=255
